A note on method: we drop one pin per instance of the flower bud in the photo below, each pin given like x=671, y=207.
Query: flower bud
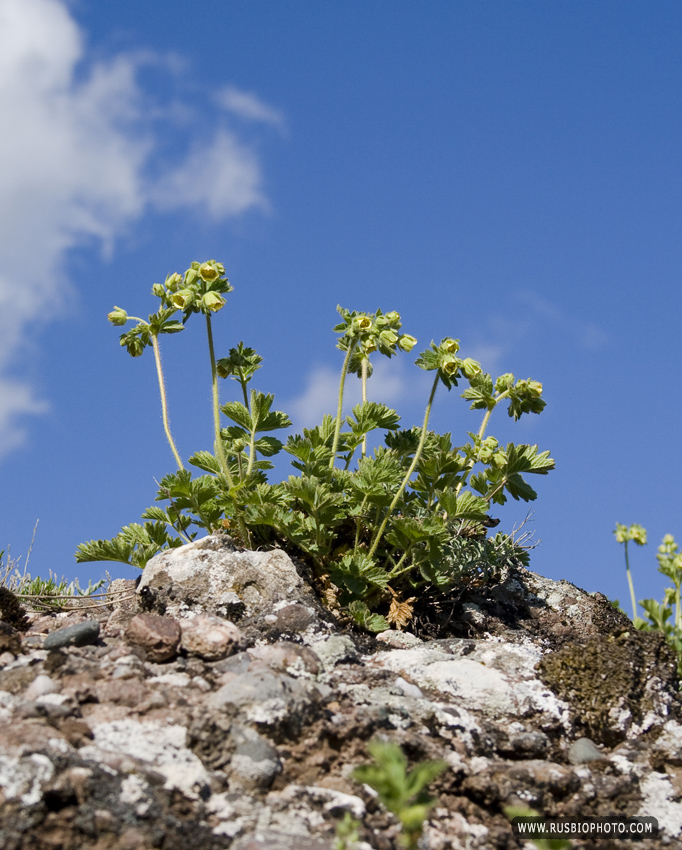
x=208, y=272
x=471, y=368
x=393, y=318
x=389, y=338
x=450, y=345
x=173, y=282
x=158, y=290
x=369, y=346
x=118, y=316
x=213, y=301
x=407, y=342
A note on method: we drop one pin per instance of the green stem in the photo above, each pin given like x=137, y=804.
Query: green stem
x=252, y=453
x=396, y=571
x=358, y=524
x=339, y=410
x=408, y=474
x=219, y=448
x=365, y=369
x=481, y=432
x=244, y=383
x=632, y=588
x=164, y=404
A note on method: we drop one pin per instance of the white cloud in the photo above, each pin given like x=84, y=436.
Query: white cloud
x=221, y=178
x=389, y=384
x=75, y=151
x=585, y=333
x=247, y=105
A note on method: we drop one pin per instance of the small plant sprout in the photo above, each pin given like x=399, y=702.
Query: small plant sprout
x=377, y=530
x=624, y=534
x=664, y=617
x=402, y=792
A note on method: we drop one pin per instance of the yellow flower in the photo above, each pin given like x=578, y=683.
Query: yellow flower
x=213, y=301
x=181, y=298
x=208, y=272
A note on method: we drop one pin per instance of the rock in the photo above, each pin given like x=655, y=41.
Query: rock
x=213, y=576
x=294, y=619
x=122, y=597
x=158, y=636
x=255, y=762
x=10, y=641
x=40, y=686
x=147, y=739
x=80, y=634
x=209, y=637
x=269, y=840
x=288, y=657
x=584, y=751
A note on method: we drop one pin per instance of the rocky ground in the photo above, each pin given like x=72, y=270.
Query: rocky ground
x=217, y=705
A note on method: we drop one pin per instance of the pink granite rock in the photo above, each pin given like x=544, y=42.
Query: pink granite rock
x=158, y=636
x=210, y=637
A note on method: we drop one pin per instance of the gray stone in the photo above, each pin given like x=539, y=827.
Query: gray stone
x=81, y=634
x=334, y=650
x=213, y=576
x=584, y=751
x=254, y=763
x=268, y=840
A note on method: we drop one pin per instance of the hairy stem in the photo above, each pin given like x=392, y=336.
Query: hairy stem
x=632, y=588
x=481, y=432
x=219, y=448
x=339, y=410
x=408, y=474
x=164, y=404
x=365, y=370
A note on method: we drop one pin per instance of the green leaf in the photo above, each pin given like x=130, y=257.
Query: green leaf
x=268, y=446
x=369, y=416
x=206, y=461
x=364, y=618
x=464, y=506
x=358, y=573
x=262, y=418
x=238, y=413
x=134, y=545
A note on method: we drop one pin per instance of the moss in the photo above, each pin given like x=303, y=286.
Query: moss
x=11, y=610
x=604, y=679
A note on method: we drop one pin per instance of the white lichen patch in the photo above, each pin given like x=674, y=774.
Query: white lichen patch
x=24, y=777
x=658, y=801
x=497, y=680
x=162, y=747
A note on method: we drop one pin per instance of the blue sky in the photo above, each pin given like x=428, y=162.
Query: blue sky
x=507, y=173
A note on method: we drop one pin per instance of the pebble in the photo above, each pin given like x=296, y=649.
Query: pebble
x=210, y=637
x=79, y=635
x=41, y=685
x=158, y=636
x=584, y=750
